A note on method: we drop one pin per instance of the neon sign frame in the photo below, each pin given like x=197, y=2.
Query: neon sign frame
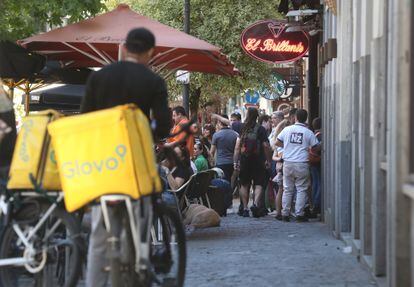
x=259, y=39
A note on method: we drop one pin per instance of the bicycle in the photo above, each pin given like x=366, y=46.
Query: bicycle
x=145, y=239
x=40, y=244
x=160, y=252
x=162, y=243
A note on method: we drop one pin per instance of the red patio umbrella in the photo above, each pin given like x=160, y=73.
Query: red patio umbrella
x=95, y=42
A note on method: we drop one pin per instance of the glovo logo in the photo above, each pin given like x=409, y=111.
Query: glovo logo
x=23, y=151
x=75, y=168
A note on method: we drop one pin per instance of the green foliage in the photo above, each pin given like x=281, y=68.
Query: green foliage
x=219, y=23
x=22, y=18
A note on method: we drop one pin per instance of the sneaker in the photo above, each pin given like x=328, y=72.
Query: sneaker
x=246, y=213
x=301, y=218
x=279, y=217
x=285, y=218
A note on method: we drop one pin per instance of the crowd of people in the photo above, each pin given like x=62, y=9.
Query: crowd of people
x=267, y=157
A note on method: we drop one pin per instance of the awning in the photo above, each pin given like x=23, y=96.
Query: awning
x=62, y=98
x=95, y=42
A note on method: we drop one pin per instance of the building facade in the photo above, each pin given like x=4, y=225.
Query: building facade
x=367, y=109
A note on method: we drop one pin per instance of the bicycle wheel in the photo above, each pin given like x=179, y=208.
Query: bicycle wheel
x=121, y=250
x=57, y=243
x=168, y=248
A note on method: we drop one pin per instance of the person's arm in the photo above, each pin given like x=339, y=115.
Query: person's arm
x=272, y=139
x=317, y=147
x=236, y=156
x=172, y=144
x=268, y=152
x=160, y=109
x=314, y=143
x=262, y=136
x=88, y=101
x=174, y=182
x=279, y=143
x=213, y=150
x=277, y=156
x=220, y=118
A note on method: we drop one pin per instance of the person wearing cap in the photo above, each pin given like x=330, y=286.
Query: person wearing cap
x=127, y=81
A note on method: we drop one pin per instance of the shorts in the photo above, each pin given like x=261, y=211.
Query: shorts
x=252, y=170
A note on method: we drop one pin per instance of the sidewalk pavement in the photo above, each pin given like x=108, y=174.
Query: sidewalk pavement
x=265, y=252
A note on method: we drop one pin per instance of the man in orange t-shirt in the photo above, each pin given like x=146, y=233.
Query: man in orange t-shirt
x=180, y=118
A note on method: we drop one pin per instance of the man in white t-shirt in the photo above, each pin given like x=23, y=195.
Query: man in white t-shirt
x=296, y=140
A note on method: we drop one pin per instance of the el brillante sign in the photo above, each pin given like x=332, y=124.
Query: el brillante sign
x=271, y=41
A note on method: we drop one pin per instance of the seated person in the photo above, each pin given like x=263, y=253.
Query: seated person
x=200, y=157
x=177, y=162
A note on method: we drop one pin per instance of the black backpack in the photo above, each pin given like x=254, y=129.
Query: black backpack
x=250, y=143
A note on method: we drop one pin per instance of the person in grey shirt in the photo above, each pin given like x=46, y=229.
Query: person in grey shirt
x=222, y=147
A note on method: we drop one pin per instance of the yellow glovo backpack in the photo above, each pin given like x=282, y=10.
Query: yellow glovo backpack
x=105, y=152
x=33, y=155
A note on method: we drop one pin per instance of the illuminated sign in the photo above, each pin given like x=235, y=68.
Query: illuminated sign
x=274, y=42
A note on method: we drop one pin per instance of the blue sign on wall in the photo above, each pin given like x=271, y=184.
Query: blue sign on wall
x=252, y=97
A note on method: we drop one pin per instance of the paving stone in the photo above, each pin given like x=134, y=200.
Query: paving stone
x=266, y=252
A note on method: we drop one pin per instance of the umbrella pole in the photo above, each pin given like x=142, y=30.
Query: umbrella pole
x=26, y=97
x=11, y=93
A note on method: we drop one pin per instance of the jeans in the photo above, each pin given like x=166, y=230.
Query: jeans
x=295, y=174
x=97, y=251
x=316, y=186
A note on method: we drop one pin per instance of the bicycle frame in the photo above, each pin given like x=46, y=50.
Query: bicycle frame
x=25, y=238
x=144, y=211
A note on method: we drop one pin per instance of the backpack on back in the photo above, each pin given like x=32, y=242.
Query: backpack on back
x=250, y=143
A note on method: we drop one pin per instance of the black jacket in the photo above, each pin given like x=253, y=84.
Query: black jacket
x=126, y=82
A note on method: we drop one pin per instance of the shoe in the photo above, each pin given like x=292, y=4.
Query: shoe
x=301, y=218
x=246, y=213
x=255, y=211
x=240, y=211
x=307, y=212
x=263, y=212
x=285, y=218
x=279, y=217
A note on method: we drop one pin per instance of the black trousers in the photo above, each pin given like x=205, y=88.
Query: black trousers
x=227, y=169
